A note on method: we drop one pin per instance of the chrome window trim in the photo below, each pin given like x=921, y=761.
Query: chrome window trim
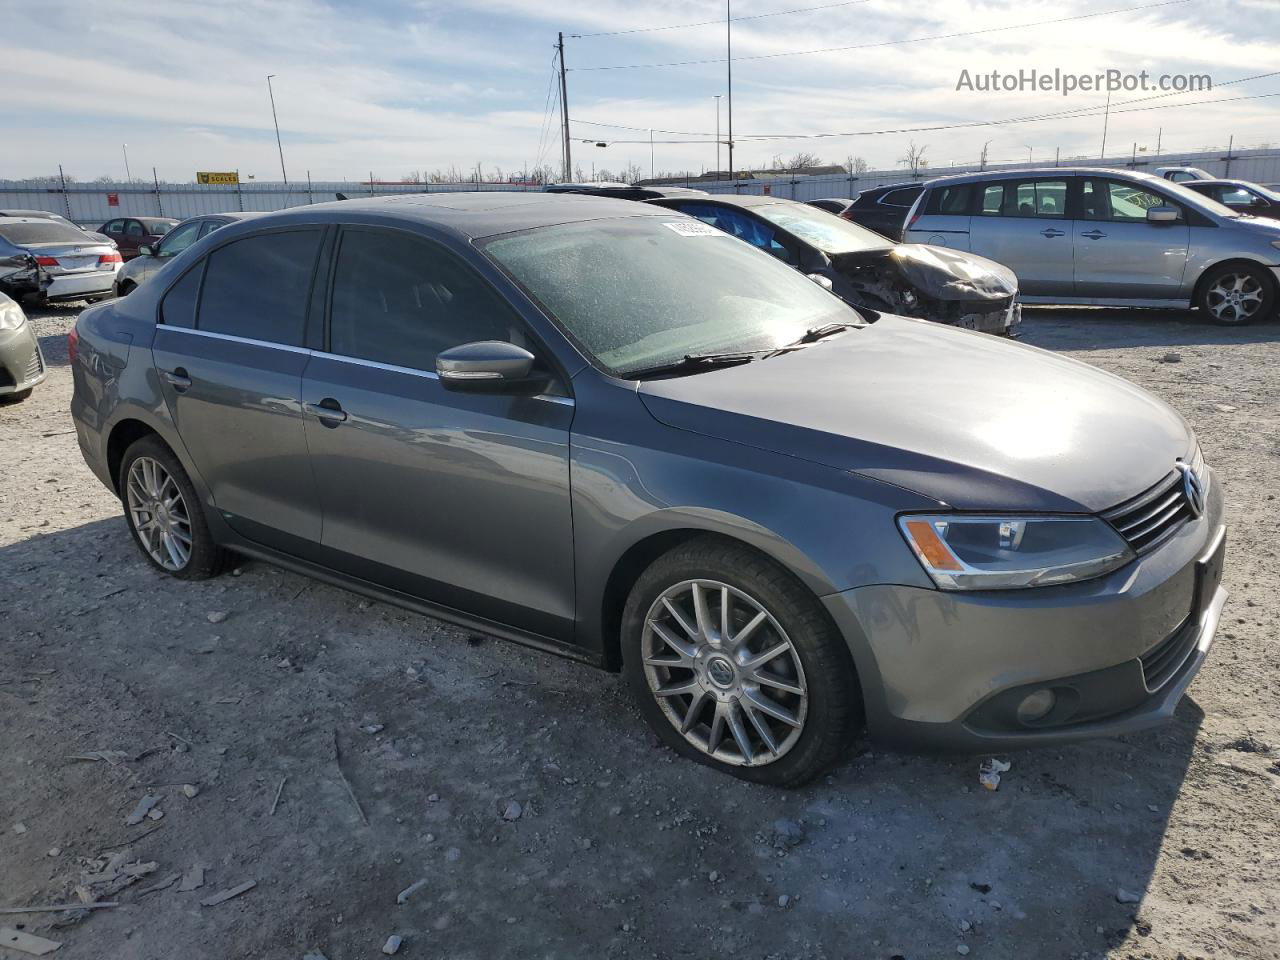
x=248, y=341
x=413, y=371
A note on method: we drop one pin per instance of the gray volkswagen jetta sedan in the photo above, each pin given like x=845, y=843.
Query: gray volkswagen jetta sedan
x=602, y=429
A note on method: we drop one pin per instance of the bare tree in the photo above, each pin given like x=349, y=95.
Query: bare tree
x=856, y=165
x=634, y=174
x=915, y=159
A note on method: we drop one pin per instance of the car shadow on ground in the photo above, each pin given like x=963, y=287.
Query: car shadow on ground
x=1092, y=328
x=890, y=854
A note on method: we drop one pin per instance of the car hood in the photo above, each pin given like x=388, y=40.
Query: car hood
x=964, y=418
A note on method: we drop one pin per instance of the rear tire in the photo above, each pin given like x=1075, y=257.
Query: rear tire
x=126, y=288
x=1234, y=295
x=164, y=513
x=773, y=698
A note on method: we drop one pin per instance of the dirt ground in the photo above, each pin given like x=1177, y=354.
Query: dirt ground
x=617, y=848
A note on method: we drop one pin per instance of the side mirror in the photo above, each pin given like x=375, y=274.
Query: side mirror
x=146, y=250
x=489, y=366
x=1162, y=215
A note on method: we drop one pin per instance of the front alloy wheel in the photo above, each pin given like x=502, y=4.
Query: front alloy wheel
x=1237, y=294
x=724, y=673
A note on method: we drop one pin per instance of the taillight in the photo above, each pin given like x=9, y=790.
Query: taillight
x=914, y=221
x=73, y=341
x=112, y=257
x=47, y=261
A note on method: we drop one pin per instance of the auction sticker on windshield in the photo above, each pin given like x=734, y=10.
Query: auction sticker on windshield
x=693, y=228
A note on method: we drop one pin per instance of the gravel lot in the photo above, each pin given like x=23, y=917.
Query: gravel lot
x=616, y=848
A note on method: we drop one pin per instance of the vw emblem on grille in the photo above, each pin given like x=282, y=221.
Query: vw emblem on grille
x=720, y=672
x=1192, y=489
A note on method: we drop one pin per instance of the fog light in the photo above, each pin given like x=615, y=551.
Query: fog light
x=1036, y=706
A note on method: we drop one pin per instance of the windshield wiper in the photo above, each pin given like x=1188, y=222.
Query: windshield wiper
x=695, y=362
x=821, y=332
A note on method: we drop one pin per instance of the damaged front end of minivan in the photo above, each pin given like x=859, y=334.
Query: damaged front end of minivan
x=931, y=283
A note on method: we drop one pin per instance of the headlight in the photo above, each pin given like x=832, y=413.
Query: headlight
x=11, y=316
x=1001, y=553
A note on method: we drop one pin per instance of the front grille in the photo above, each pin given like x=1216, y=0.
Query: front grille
x=35, y=367
x=1150, y=518
x=1162, y=661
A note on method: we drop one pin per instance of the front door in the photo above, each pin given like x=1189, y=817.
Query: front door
x=229, y=354
x=1025, y=225
x=1121, y=256
x=459, y=498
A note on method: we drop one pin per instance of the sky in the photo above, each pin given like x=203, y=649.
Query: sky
x=390, y=87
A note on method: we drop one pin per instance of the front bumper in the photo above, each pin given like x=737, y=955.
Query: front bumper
x=22, y=364
x=947, y=670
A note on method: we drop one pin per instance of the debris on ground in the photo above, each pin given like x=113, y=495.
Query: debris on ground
x=217, y=616
x=19, y=828
x=58, y=908
x=512, y=811
x=164, y=884
x=787, y=833
x=144, y=807
x=392, y=944
x=113, y=757
x=279, y=790
x=1171, y=357
x=26, y=943
x=989, y=772
x=1127, y=896
x=337, y=761
x=193, y=879
x=373, y=728
x=410, y=890
x=226, y=895
x=190, y=791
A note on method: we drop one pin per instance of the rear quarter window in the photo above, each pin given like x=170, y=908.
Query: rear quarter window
x=178, y=308
x=900, y=198
x=952, y=200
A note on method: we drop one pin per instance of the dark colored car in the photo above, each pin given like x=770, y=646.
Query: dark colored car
x=834, y=205
x=131, y=233
x=606, y=430
x=622, y=191
x=866, y=269
x=151, y=258
x=884, y=209
x=1242, y=196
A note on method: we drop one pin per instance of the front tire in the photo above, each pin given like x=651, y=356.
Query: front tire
x=164, y=513
x=1237, y=294
x=735, y=664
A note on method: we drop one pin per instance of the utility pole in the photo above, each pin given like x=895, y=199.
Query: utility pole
x=1105, y=118
x=127, y=175
x=717, y=99
x=728, y=47
x=564, y=111
x=1159, y=138
x=651, y=153
x=271, y=93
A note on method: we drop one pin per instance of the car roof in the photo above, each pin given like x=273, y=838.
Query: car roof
x=1015, y=173
x=33, y=214
x=739, y=200
x=1216, y=182
x=471, y=215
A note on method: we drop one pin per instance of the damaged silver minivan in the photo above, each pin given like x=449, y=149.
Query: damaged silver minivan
x=866, y=269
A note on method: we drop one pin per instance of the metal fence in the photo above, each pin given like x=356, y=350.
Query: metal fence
x=92, y=203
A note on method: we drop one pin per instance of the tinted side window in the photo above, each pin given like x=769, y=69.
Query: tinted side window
x=178, y=309
x=901, y=198
x=115, y=226
x=952, y=200
x=258, y=287
x=992, y=200
x=1039, y=198
x=400, y=300
x=133, y=228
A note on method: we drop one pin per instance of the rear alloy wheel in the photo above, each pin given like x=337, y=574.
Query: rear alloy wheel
x=163, y=512
x=734, y=663
x=1234, y=295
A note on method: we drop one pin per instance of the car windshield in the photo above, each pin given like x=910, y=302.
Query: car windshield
x=157, y=228
x=641, y=292
x=826, y=231
x=46, y=231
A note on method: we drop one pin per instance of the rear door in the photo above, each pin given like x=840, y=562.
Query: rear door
x=134, y=236
x=1119, y=255
x=1024, y=224
x=229, y=352
x=459, y=498
x=942, y=216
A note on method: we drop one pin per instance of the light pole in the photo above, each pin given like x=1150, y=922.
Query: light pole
x=717, y=99
x=1030, y=151
x=651, y=153
x=127, y=175
x=271, y=93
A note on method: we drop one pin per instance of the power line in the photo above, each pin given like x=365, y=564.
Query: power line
x=544, y=129
x=1096, y=112
x=708, y=23
x=890, y=43
x=1069, y=113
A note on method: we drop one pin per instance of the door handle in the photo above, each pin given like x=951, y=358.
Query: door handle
x=1052, y=233
x=1094, y=234
x=177, y=379
x=327, y=411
